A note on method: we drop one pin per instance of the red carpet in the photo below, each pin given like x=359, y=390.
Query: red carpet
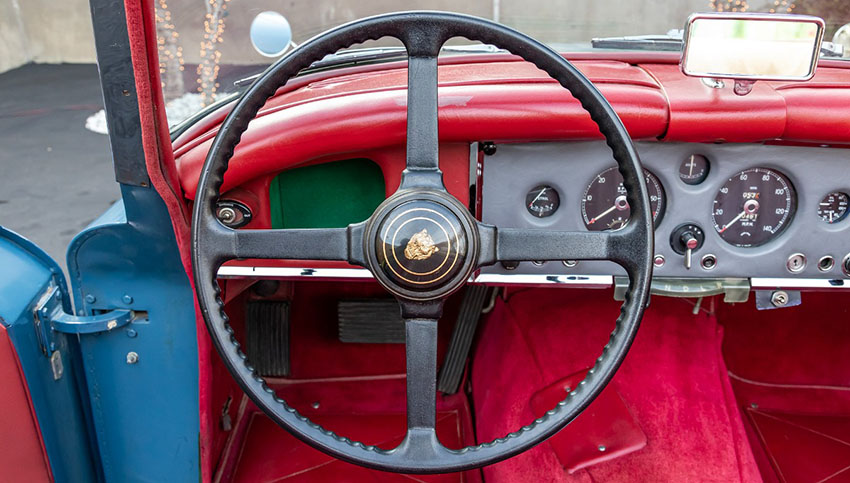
x=673, y=382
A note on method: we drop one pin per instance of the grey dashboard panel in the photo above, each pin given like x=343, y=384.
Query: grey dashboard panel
x=514, y=169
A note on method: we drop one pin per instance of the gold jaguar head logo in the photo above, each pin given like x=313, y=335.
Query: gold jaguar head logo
x=420, y=247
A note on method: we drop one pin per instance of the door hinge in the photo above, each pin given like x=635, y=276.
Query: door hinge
x=50, y=316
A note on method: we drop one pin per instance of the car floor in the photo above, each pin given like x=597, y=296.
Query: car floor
x=790, y=369
x=671, y=397
x=674, y=411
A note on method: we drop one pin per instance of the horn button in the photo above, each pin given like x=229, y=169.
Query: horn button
x=419, y=247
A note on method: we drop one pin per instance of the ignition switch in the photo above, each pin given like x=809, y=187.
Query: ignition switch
x=686, y=239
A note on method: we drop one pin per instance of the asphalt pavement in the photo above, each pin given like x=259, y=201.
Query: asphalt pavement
x=55, y=175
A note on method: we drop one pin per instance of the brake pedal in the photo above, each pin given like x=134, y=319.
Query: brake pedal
x=267, y=337
x=376, y=321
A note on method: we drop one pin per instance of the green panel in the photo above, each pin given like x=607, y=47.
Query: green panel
x=330, y=195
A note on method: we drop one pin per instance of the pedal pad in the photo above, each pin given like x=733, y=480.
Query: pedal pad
x=376, y=321
x=464, y=331
x=267, y=337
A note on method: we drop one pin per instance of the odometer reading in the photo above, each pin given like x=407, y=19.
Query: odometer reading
x=753, y=207
x=604, y=205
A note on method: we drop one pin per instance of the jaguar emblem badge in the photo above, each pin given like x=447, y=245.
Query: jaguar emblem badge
x=420, y=247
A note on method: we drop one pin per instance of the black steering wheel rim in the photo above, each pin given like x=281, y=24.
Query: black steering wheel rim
x=423, y=33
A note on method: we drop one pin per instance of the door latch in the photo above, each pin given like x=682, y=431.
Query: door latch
x=50, y=316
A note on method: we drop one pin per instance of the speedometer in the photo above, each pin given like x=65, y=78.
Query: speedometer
x=753, y=207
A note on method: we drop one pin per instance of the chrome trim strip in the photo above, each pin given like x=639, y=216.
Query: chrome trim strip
x=507, y=279
x=294, y=272
x=363, y=274
x=535, y=279
x=804, y=283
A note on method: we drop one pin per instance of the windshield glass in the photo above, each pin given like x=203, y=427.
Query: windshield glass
x=206, y=45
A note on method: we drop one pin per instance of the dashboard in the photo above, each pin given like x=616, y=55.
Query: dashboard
x=720, y=210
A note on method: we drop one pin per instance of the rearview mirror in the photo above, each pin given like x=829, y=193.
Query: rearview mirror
x=270, y=34
x=752, y=46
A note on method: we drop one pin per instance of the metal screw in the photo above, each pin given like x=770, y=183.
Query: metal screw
x=132, y=358
x=90, y=299
x=754, y=405
x=658, y=261
x=779, y=298
x=127, y=299
x=570, y=263
x=602, y=448
x=131, y=333
x=315, y=405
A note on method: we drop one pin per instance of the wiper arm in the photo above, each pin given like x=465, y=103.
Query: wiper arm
x=669, y=42
x=359, y=56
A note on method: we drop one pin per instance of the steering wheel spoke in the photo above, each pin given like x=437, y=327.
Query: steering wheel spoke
x=522, y=244
x=340, y=244
x=423, y=165
x=420, y=321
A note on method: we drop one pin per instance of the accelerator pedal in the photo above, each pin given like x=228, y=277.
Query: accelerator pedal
x=375, y=321
x=267, y=334
x=464, y=331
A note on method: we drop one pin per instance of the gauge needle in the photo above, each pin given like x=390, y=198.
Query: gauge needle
x=734, y=220
x=538, y=196
x=609, y=210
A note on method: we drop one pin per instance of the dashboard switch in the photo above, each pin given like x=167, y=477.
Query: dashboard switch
x=686, y=239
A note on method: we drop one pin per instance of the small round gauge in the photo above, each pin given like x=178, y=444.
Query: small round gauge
x=833, y=207
x=542, y=201
x=753, y=207
x=604, y=206
x=694, y=169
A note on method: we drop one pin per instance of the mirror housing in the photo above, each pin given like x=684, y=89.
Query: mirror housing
x=751, y=46
x=270, y=34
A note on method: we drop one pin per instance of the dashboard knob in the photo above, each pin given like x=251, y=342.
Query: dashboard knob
x=686, y=239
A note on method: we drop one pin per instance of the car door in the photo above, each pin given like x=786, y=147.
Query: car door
x=44, y=424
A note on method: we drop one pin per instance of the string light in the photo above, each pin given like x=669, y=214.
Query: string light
x=780, y=5
x=170, y=52
x=210, y=54
x=783, y=6
x=729, y=5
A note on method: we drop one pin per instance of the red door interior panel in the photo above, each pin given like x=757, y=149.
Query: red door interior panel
x=22, y=456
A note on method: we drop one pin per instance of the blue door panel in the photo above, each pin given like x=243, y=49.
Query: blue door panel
x=26, y=274
x=145, y=413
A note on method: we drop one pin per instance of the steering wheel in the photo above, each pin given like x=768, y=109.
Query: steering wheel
x=421, y=244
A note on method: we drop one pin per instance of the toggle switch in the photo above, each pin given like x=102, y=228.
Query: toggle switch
x=687, y=239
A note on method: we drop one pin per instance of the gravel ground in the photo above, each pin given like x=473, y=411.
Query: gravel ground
x=55, y=176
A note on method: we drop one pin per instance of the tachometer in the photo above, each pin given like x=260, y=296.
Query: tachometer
x=753, y=207
x=604, y=206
